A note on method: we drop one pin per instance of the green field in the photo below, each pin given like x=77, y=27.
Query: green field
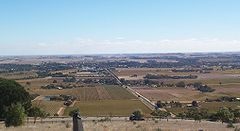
x=109, y=107
x=50, y=107
x=117, y=92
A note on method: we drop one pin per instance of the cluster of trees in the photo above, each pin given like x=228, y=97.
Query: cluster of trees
x=69, y=79
x=15, y=103
x=8, y=68
x=180, y=84
x=152, y=76
x=161, y=114
x=142, y=82
x=107, y=81
x=227, y=115
x=203, y=88
x=223, y=99
x=172, y=104
x=137, y=115
x=152, y=83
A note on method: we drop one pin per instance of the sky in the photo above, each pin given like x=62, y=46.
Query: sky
x=51, y=27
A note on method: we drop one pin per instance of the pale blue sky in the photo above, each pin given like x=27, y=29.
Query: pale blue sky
x=118, y=26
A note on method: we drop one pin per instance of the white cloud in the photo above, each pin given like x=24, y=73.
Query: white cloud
x=91, y=46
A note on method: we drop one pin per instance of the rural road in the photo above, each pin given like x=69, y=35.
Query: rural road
x=143, y=99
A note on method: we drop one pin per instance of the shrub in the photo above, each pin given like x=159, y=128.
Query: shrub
x=73, y=111
x=15, y=115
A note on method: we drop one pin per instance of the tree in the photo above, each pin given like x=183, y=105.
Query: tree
x=180, y=84
x=181, y=115
x=160, y=104
x=28, y=83
x=137, y=115
x=15, y=115
x=194, y=104
x=54, y=81
x=73, y=111
x=161, y=114
x=220, y=83
x=197, y=114
x=12, y=93
x=224, y=115
x=37, y=112
x=236, y=113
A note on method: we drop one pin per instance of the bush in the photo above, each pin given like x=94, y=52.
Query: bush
x=73, y=111
x=68, y=125
x=180, y=84
x=161, y=114
x=137, y=115
x=15, y=115
x=12, y=93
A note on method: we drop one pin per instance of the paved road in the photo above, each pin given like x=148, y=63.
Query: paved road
x=143, y=99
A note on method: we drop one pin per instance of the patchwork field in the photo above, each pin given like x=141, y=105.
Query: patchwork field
x=227, y=76
x=108, y=107
x=169, y=94
x=186, y=95
x=92, y=101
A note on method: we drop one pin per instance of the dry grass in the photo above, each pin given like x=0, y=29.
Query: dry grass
x=171, y=125
x=18, y=75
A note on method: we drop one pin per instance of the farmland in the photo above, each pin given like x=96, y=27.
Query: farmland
x=168, y=94
x=118, y=86
x=96, y=100
x=109, y=107
x=50, y=107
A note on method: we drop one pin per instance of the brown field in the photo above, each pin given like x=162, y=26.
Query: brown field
x=210, y=78
x=168, y=94
x=233, y=90
x=18, y=75
x=186, y=94
x=36, y=84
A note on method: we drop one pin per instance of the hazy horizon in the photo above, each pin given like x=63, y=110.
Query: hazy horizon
x=118, y=27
